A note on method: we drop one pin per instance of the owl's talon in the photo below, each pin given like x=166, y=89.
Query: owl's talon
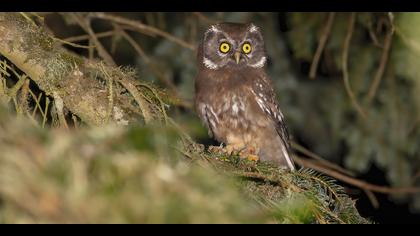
x=216, y=149
x=229, y=150
x=252, y=157
x=249, y=153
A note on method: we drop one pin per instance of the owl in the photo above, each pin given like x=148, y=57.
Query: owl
x=234, y=96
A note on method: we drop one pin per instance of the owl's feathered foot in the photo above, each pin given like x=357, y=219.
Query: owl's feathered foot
x=217, y=149
x=228, y=150
x=249, y=153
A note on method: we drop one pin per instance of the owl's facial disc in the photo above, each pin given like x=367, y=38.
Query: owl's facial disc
x=230, y=45
x=245, y=49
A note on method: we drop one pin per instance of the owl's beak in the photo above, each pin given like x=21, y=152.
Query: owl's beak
x=237, y=57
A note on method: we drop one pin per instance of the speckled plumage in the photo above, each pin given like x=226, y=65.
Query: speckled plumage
x=235, y=99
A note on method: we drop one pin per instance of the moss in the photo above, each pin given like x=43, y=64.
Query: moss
x=152, y=174
x=71, y=59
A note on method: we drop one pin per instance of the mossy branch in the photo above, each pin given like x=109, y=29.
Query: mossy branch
x=73, y=78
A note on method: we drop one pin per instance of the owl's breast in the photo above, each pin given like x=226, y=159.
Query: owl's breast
x=228, y=113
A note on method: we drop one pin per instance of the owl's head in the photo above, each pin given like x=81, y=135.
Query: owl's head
x=234, y=45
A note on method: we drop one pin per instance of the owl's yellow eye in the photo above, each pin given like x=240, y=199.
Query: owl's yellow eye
x=224, y=47
x=246, y=48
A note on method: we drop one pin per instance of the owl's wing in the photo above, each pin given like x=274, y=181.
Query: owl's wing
x=208, y=117
x=265, y=96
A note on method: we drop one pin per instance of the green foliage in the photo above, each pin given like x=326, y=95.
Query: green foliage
x=389, y=136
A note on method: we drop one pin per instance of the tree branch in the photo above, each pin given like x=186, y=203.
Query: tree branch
x=54, y=69
x=143, y=27
x=380, y=72
x=322, y=42
x=353, y=181
x=352, y=21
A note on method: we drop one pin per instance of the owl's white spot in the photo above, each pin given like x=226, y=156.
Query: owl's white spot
x=209, y=64
x=261, y=104
x=280, y=113
x=226, y=106
x=213, y=113
x=202, y=108
x=253, y=28
x=226, y=103
x=259, y=63
x=212, y=123
x=209, y=115
x=235, y=108
x=287, y=157
x=242, y=106
x=213, y=28
x=261, y=95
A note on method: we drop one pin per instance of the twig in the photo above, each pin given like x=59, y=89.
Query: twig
x=162, y=104
x=374, y=39
x=44, y=118
x=3, y=68
x=86, y=36
x=70, y=43
x=373, y=35
x=27, y=18
x=85, y=24
x=346, y=46
x=139, y=99
x=133, y=26
x=13, y=91
x=37, y=101
x=59, y=106
x=75, y=123
x=135, y=45
x=110, y=82
x=372, y=198
x=24, y=93
x=379, y=73
x=353, y=181
x=308, y=153
x=322, y=42
x=147, y=60
x=140, y=26
x=115, y=38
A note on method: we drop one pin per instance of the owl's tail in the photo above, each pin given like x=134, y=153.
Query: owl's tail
x=289, y=160
x=276, y=151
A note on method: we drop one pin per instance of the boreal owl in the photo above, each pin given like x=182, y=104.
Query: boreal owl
x=235, y=98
